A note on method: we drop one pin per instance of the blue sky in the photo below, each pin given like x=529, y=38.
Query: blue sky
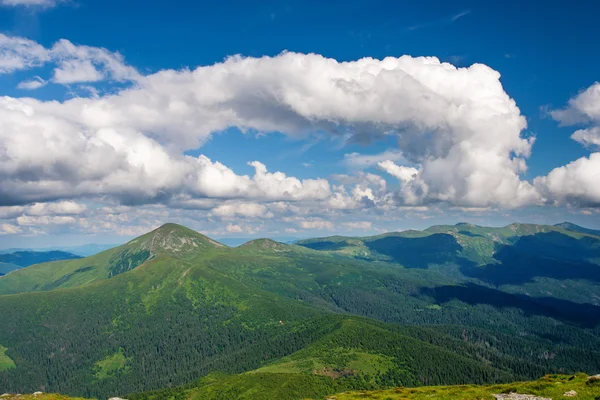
x=547, y=55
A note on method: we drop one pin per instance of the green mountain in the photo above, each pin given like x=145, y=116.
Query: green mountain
x=169, y=240
x=576, y=228
x=308, y=320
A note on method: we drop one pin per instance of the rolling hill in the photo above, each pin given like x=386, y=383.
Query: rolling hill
x=331, y=314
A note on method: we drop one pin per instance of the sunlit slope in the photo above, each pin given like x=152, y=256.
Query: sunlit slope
x=165, y=322
x=283, y=386
x=358, y=353
x=170, y=239
x=578, y=386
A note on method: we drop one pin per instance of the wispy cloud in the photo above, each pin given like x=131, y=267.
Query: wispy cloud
x=441, y=21
x=460, y=15
x=31, y=3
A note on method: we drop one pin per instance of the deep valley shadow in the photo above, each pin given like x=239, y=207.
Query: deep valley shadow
x=439, y=248
x=325, y=245
x=585, y=315
x=551, y=255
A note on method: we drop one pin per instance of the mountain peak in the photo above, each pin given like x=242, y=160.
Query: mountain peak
x=569, y=226
x=170, y=239
x=174, y=238
x=264, y=244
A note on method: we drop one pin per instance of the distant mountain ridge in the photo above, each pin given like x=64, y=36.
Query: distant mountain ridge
x=27, y=258
x=83, y=250
x=5, y=268
x=576, y=228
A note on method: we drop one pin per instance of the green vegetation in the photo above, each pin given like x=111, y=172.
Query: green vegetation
x=287, y=386
x=5, y=361
x=444, y=306
x=112, y=365
x=42, y=396
x=170, y=239
x=550, y=386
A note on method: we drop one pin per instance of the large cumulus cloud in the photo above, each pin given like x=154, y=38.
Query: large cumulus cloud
x=457, y=124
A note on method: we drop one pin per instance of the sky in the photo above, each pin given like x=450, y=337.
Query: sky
x=292, y=119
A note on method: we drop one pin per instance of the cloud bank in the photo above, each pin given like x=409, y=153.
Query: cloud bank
x=461, y=139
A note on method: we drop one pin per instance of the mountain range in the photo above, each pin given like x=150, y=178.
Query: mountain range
x=176, y=313
x=11, y=261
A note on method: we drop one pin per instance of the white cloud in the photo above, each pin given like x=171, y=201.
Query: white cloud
x=19, y=53
x=26, y=220
x=357, y=160
x=588, y=137
x=30, y=3
x=253, y=210
x=73, y=63
x=51, y=158
x=404, y=174
x=8, y=229
x=231, y=228
x=31, y=84
x=315, y=224
x=584, y=107
x=362, y=178
x=57, y=208
x=77, y=63
x=577, y=183
x=364, y=225
x=11, y=212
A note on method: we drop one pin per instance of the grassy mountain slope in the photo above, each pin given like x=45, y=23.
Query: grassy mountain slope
x=548, y=387
x=172, y=306
x=167, y=322
x=170, y=239
x=43, y=396
x=284, y=386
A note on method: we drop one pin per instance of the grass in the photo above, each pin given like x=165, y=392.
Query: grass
x=5, y=361
x=43, y=396
x=112, y=365
x=550, y=386
x=334, y=363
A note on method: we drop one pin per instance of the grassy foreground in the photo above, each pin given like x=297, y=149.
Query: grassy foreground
x=43, y=396
x=550, y=386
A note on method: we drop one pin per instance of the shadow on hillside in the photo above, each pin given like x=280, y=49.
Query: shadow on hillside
x=325, y=245
x=585, y=315
x=551, y=255
x=439, y=248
